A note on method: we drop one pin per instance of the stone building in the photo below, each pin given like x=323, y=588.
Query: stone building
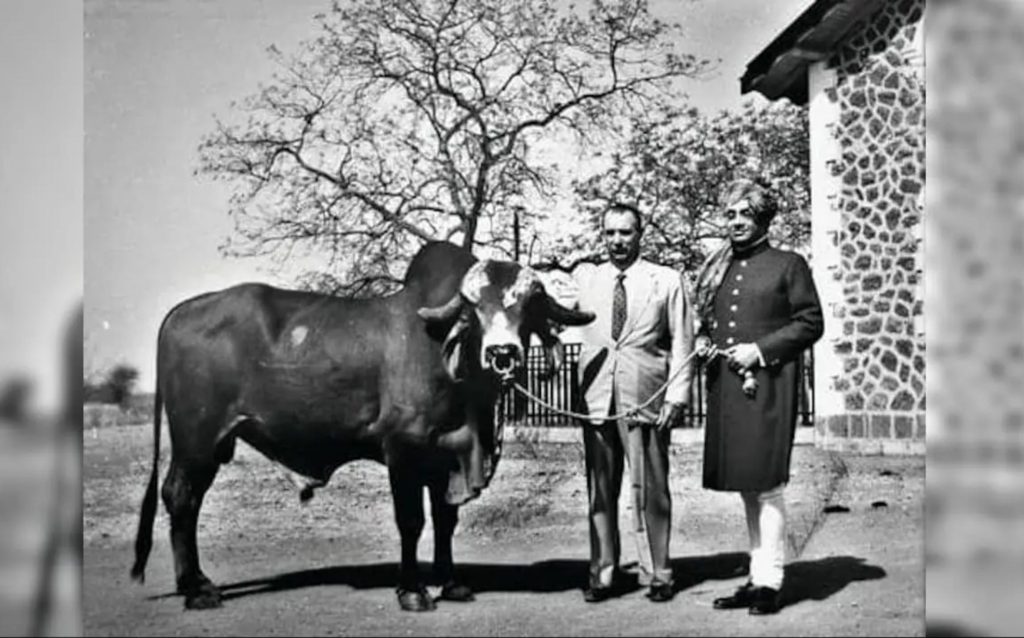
x=859, y=67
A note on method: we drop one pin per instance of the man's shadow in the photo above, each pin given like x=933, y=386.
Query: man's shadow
x=805, y=580
x=547, y=576
x=821, y=578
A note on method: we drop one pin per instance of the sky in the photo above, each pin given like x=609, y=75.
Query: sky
x=155, y=77
x=41, y=187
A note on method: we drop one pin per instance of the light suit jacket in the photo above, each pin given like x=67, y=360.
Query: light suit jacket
x=656, y=339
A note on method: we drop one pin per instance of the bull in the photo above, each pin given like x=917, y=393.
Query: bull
x=314, y=381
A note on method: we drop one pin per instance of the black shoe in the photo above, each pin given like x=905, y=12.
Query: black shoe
x=597, y=594
x=661, y=592
x=766, y=601
x=744, y=597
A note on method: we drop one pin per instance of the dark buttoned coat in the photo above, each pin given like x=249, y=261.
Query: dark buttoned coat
x=769, y=298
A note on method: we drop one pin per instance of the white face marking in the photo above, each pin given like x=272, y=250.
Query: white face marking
x=500, y=332
x=299, y=335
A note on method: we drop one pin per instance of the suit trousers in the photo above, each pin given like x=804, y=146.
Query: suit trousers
x=608, y=446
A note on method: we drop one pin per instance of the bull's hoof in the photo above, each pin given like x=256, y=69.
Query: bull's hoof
x=415, y=599
x=206, y=596
x=457, y=592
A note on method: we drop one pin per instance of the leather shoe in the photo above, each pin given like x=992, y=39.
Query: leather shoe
x=743, y=597
x=661, y=592
x=766, y=601
x=597, y=594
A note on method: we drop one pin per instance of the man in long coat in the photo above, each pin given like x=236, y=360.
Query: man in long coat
x=635, y=359
x=758, y=311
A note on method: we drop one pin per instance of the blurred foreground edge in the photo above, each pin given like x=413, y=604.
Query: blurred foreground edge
x=975, y=314
x=53, y=613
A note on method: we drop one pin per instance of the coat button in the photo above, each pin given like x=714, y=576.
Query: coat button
x=739, y=277
x=729, y=341
x=733, y=307
x=732, y=324
x=735, y=292
x=743, y=263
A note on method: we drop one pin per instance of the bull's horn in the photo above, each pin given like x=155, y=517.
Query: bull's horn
x=566, y=316
x=447, y=312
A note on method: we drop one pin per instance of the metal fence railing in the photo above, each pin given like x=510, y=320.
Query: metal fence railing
x=562, y=390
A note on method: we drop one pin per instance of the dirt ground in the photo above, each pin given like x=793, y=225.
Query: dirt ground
x=329, y=567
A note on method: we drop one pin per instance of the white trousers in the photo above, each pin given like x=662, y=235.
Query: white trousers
x=766, y=525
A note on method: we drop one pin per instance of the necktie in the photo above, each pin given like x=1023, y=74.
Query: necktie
x=618, y=306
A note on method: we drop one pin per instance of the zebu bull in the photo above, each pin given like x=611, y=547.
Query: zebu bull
x=314, y=381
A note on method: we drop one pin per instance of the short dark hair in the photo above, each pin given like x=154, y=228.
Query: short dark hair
x=622, y=207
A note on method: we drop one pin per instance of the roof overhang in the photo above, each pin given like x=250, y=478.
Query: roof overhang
x=780, y=69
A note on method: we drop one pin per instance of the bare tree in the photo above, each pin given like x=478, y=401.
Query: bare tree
x=411, y=120
x=675, y=169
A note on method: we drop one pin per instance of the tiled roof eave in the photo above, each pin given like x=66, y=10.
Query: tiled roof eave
x=780, y=69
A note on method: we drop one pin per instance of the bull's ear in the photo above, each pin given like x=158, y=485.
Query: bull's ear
x=554, y=357
x=442, y=314
x=566, y=316
x=554, y=351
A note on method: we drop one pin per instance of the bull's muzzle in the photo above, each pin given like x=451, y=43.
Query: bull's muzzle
x=503, y=359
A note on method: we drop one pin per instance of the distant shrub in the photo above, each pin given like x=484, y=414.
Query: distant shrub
x=138, y=411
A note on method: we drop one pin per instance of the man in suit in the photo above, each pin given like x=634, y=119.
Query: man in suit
x=641, y=339
x=758, y=309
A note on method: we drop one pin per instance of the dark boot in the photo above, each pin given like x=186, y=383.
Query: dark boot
x=766, y=601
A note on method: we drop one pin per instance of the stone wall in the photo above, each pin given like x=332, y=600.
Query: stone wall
x=868, y=140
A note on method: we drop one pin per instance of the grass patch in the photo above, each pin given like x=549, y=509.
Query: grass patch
x=138, y=411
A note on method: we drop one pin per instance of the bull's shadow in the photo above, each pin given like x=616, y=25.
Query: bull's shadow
x=545, y=576
x=805, y=580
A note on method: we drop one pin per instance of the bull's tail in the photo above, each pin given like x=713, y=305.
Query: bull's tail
x=144, y=536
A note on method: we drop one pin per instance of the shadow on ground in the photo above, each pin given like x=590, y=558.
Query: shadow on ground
x=805, y=580
x=819, y=579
